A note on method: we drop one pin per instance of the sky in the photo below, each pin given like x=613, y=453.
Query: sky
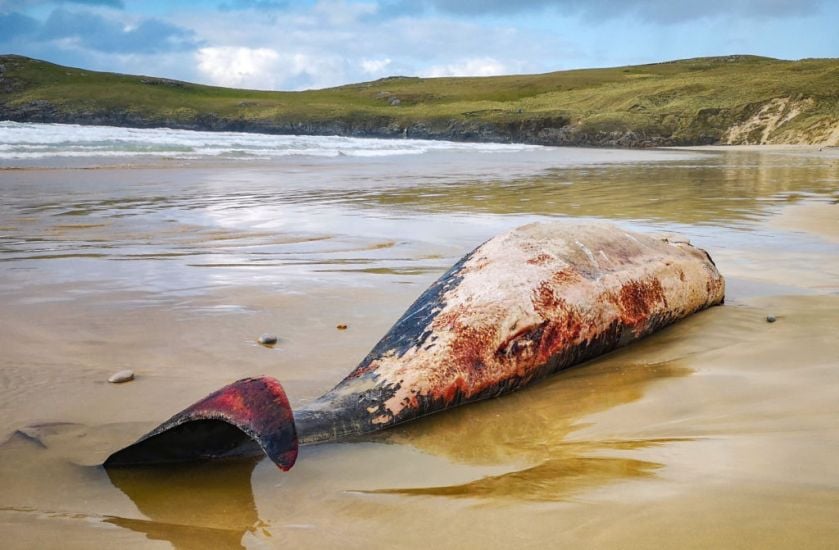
x=294, y=45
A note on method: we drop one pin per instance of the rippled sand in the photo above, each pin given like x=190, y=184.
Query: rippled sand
x=717, y=432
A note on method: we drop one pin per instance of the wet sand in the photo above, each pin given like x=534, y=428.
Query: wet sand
x=719, y=431
x=817, y=219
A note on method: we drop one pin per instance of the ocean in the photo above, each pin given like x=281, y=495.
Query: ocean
x=21, y=141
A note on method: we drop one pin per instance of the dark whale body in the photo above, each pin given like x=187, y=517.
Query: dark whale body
x=521, y=306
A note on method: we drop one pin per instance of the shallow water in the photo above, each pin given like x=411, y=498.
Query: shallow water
x=719, y=431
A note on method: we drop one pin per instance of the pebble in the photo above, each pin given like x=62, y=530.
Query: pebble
x=121, y=376
x=771, y=319
x=342, y=326
x=267, y=340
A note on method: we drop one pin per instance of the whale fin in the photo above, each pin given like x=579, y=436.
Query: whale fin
x=243, y=418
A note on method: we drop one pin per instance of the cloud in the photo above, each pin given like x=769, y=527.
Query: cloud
x=91, y=31
x=336, y=42
x=85, y=30
x=268, y=69
x=23, y=4
x=375, y=67
x=237, y=66
x=482, y=66
x=259, y=5
x=661, y=11
x=342, y=13
x=109, y=3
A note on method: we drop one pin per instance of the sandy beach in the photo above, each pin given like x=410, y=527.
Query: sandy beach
x=716, y=432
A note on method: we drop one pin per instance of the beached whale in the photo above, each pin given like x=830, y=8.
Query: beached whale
x=522, y=305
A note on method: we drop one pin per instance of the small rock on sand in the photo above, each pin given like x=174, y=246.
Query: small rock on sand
x=267, y=340
x=121, y=376
x=771, y=319
x=341, y=326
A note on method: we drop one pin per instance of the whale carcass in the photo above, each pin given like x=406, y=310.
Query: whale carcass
x=519, y=307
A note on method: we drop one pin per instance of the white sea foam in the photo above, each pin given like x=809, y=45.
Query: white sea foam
x=36, y=140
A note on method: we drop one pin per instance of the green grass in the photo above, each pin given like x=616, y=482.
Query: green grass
x=689, y=101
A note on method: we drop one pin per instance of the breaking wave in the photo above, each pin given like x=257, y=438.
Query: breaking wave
x=20, y=141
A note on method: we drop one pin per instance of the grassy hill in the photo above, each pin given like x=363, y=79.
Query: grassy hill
x=733, y=99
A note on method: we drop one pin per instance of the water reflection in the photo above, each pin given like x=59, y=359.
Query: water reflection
x=531, y=429
x=194, y=507
x=552, y=480
x=725, y=189
x=207, y=505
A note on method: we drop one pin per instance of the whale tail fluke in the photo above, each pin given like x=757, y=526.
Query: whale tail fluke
x=240, y=419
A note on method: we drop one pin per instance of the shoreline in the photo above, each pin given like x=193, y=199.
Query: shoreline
x=824, y=151
x=455, y=132
x=162, y=161
x=200, y=149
